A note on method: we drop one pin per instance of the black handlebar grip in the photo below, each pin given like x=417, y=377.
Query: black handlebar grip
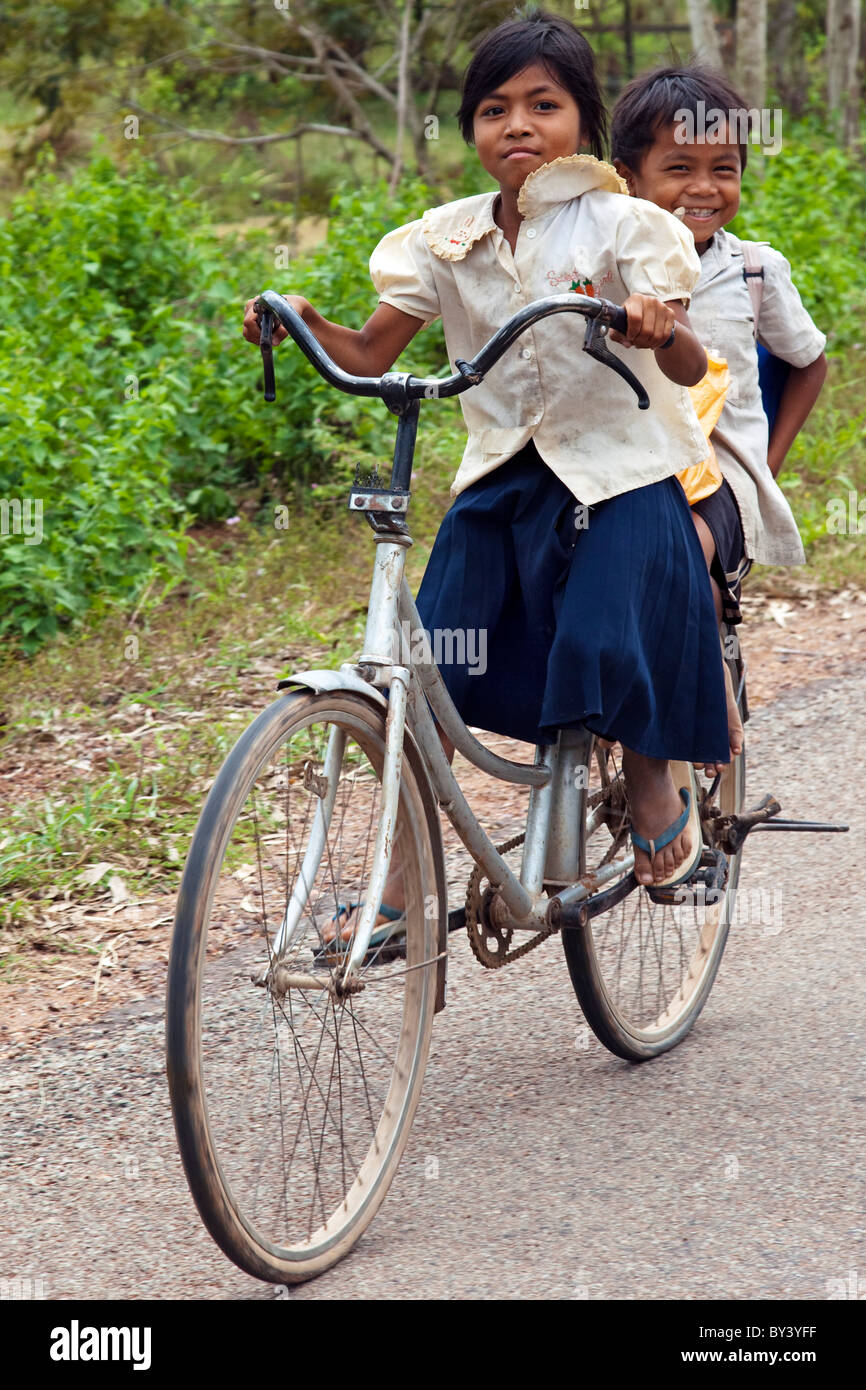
x=619, y=321
x=266, y=342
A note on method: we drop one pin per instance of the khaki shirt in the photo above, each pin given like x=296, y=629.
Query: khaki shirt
x=722, y=317
x=582, y=232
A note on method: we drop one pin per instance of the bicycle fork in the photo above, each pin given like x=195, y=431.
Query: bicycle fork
x=377, y=666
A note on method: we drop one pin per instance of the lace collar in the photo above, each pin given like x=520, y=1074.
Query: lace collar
x=566, y=178
x=453, y=229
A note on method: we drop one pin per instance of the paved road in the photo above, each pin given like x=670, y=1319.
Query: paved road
x=732, y=1167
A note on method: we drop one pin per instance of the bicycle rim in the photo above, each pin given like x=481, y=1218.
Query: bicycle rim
x=643, y=970
x=293, y=1104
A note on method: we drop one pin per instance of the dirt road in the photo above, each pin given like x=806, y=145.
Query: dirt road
x=729, y=1168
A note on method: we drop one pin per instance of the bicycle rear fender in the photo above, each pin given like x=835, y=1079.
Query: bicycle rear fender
x=346, y=679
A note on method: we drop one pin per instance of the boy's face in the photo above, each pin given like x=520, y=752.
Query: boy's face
x=527, y=122
x=702, y=178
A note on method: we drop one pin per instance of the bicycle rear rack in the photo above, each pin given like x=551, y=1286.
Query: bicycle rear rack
x=728, y=833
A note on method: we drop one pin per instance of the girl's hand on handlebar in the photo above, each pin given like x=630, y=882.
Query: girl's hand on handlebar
x=650, y=321
x=251, y=322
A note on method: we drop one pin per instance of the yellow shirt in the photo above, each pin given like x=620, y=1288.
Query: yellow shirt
x=708, y=398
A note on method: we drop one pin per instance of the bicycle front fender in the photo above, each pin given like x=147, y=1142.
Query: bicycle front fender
x=346, y=678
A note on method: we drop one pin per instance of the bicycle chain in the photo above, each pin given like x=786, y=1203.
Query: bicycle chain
x=477, y=934
x=475, y=898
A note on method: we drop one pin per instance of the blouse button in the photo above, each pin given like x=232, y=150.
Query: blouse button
x=531, y=232
x=526, y=353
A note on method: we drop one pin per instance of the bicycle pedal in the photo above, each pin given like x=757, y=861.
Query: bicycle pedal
x=709, y=878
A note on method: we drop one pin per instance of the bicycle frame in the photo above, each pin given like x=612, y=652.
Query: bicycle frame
x=557, y=794
x=557, y=791
x=552, y=846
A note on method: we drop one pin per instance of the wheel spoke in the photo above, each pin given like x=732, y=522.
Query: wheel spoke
x=643, y=968
x=305, y=1093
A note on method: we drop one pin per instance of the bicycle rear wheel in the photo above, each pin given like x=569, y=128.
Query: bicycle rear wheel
x=643, y=970
x=292, y=1101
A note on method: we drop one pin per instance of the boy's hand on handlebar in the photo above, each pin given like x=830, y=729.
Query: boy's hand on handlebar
x=252, y=327
x=650, y=321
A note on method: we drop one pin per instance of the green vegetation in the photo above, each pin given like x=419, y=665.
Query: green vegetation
x=809, y=201
x=122, y=724
x=195, y=544
x=132, y=410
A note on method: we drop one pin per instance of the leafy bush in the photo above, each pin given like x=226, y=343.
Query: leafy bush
x=810, y=203
x=127, y=397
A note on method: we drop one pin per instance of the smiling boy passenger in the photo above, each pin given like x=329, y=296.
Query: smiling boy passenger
x=665, y=156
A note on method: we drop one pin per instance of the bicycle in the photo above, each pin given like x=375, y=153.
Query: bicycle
x=342, y=769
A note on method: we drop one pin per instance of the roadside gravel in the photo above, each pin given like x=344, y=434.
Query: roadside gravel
x=730, y=1168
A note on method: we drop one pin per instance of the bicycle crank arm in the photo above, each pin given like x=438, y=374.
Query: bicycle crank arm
x=457, y=919
x=567, y=916
x=707, y=883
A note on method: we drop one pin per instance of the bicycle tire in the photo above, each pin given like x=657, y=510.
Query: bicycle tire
x=244, y=1199
x=628, y=1028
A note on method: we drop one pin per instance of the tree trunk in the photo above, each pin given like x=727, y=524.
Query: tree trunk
x=752, y=50
x=843, y=47
x=705, y=43
x=783, y=20
x=404, y=95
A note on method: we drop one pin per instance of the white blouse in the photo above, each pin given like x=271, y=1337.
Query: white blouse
x=580, y=231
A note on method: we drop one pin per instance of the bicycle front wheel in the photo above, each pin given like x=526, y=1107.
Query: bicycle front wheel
x=293, y=1101
x=643, y=970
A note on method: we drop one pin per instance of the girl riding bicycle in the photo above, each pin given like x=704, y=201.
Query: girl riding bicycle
x=570, y=541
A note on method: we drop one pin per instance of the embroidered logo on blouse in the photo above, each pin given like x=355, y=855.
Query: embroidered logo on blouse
x=463, y=235
x=577, y=283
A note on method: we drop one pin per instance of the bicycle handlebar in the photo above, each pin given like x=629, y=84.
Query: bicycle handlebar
x=398, y=388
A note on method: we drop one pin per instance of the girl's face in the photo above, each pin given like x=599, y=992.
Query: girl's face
x=702, y=178
x=528, y=122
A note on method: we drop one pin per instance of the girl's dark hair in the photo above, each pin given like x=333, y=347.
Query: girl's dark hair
x=539, y=38
x=657, y=98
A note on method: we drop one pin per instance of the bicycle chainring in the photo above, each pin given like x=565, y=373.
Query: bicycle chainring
x=491, y=945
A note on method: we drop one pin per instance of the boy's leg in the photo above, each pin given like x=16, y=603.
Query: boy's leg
x=735, y=724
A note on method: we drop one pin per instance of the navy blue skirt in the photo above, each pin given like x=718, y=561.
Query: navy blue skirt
x=546, y=615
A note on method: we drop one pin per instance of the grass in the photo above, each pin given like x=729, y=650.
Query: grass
x=119, y=729
x=827, y=462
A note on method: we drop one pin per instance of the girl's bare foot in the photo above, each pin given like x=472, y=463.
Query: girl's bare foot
x=393, y=894
x=655, y=804
x=347, y=920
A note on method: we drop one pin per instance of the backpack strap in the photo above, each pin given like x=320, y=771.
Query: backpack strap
x=753, y=274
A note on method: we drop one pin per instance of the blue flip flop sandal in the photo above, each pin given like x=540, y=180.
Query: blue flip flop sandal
x=690, y=816
x=395, y=915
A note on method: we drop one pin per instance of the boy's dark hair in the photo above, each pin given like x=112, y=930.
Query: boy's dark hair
x=657, y=98
x=539, y=38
